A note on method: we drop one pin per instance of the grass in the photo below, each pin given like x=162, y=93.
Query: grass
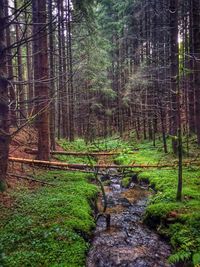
x=48, y=226
x=179, y=221
x=107, y=144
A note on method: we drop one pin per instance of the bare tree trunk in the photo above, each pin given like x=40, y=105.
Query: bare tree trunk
x=4, y=100
x=71, y=86
x=196, y=39
x=41, y=78
x=174, y=69
x=191, y=105
x=30, y=93
x=20, y=89
x=51, y=74
x=12, y=95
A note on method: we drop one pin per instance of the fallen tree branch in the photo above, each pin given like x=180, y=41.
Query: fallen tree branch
x=100, y=166
x=29, y=179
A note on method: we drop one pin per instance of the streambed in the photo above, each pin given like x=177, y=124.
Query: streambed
x=128, y=242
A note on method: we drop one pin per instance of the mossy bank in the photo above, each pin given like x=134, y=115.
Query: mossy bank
x=178, y=221
x=48, y=226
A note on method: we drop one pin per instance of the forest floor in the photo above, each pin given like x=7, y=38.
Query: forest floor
x=51, y=225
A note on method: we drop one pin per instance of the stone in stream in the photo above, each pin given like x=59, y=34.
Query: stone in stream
x=124, y=202
x=113, y=172
x=116, y=187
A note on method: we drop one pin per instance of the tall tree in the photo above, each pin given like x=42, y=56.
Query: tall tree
x=41, y=77
x=173, y=9
x=4, y=100
x=196, y=51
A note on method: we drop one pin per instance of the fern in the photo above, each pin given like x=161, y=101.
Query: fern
x=180, y=256
x=196, y=259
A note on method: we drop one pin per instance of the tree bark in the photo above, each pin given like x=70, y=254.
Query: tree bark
x=51, y=76
x=4, y=100
x=174, y=69
x=41, y=78
x=196, y=39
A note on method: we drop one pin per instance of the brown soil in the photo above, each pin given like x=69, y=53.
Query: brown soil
x=134, y=194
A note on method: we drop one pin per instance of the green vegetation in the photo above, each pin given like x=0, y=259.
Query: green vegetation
x=180, y=221
x=76, y=160
x=2, y=186
x=126, y=181
x=48, y=226
x=108, y=144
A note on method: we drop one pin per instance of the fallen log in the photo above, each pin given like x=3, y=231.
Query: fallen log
x=96, y=166
x=29, y=179
x=71, y=153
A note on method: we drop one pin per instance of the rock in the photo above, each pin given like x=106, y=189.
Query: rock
x=116, y=187
x=105, y=177
x=113, y=171
x=124, y=202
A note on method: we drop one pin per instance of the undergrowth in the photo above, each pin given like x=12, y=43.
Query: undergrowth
x=179, y=221
x=107, y=144
x=48, y=226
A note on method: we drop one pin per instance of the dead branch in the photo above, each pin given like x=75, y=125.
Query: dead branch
x=29, y=179
x=83, y=166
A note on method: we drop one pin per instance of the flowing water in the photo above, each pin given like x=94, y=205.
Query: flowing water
x=128, y=242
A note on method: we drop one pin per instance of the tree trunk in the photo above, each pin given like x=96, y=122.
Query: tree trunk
x=71, y=86
x=20, y=88
x=196, y=39
x=41, y=78
x=174, y=69
x=51, y=76
x=12, y=116
x=4, y=100
x=191, y=105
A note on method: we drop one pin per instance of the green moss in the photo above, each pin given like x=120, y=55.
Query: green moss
x=126, y=181
x=100, y=144
x=182, y=229
x=3, y=186
x=76, y=160
x=107, y=183
x=47, y=226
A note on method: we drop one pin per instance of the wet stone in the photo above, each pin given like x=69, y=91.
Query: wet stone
x=116, y=187
x=124, y=202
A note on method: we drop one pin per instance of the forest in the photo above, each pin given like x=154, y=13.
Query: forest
x=100, y=133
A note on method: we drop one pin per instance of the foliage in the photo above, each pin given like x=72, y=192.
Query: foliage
x=48, y=225
x=2, y=186
x=126, y=181
x=107, y=144
x=178, y=220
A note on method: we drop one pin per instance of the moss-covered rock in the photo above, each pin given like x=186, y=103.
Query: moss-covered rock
x=126, y=181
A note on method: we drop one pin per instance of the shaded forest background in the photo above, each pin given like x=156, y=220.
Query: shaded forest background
x=95, y=68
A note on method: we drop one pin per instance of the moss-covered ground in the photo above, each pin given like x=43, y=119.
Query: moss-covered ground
x=49, y=225
x=179, y=221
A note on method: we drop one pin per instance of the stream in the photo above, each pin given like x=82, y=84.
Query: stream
x=128, y=242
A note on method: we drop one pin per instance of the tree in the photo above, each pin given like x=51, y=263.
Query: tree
x=41, y=78
x=196, y=51
x=4, y=100
x=173, y=9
